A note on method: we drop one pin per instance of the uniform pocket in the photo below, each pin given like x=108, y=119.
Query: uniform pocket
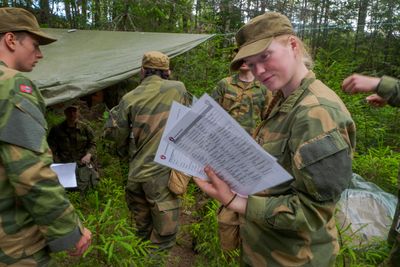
x=326, y=160
x=166, y=218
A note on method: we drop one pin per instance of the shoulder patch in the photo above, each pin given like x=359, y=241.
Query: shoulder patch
x=25, y=126
x=25, y=88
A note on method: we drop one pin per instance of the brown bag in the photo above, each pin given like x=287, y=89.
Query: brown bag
x=228, y=229
x=178, y=182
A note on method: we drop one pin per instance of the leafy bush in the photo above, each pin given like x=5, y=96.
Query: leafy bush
x=375, y=126
x=380, y=166
x=114, y=242
x=202, y=67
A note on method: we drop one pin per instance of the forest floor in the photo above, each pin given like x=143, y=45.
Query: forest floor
x=183, y=254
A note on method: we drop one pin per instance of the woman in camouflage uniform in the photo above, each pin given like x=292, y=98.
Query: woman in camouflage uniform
x=310, y=132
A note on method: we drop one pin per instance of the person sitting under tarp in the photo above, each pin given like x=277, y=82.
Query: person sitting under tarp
x=73, y=141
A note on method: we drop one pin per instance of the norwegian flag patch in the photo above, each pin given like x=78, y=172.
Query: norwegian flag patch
x=25, y=88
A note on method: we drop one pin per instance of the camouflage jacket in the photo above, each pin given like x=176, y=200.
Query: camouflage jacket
x=245, y=102
x=70, y=144
x=141, y=117
x=389, y=89
x=34, y=209
x=312, y=135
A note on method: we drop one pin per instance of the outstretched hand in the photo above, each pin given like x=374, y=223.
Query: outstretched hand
x=86, y=159
x=357, y=83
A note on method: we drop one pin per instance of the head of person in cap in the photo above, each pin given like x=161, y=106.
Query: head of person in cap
x=155, y=63
x=302, y=128
x=71, y=112
x=277, y=57
x=20, y=38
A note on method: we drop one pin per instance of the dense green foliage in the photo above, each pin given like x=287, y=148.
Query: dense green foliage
x=365, y=30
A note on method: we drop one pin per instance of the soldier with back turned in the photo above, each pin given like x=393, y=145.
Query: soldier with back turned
x=140, y=119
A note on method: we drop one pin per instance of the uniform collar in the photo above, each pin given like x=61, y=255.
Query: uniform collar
x=3, y=64
x=236, y=81
x=152, y=78
x=296, y=95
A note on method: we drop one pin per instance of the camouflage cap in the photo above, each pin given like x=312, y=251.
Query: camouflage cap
x=155, y=60
x=71, y=104
x=14, y=19
x=257, y=35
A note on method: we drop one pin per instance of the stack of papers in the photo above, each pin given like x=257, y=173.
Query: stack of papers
x=206, y=134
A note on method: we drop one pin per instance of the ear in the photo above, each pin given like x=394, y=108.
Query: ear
x=293, y=43
x=10, y=41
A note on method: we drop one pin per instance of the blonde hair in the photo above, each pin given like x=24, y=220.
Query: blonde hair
x=303, y=50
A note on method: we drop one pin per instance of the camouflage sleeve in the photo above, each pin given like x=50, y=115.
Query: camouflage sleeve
x=22, y=122
x=26, y=158
x=389, y=89
x=320, y=143
x=38, y=190
x=322, y=138
x=124, y=138
x=219, y=91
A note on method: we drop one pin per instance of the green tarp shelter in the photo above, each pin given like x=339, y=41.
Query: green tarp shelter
x=83, y=61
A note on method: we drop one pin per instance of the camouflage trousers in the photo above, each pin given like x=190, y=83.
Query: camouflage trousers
x=38, y=259
x=155, y=209
x=394, y=237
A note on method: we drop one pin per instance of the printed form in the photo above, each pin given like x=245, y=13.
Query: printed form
x=207, y=135
x=66, y=173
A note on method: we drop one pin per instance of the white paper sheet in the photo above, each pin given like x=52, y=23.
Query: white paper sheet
x=169, y=156
x=66, y=173
x=207, y=135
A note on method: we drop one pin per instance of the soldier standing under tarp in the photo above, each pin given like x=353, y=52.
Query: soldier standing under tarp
x=386, y=91
x=245, y=99
x=73, y=141
x=310, y=132
x=35, y=215
x=140, y=120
